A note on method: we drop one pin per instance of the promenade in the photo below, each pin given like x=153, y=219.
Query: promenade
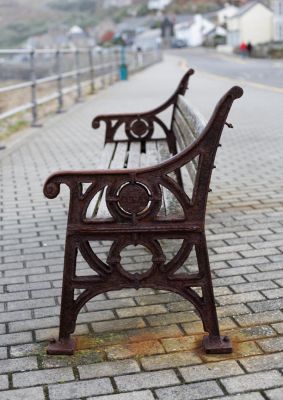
x=146, y=344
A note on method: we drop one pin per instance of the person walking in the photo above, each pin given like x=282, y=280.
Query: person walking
x=249, y=49
x=243, y=49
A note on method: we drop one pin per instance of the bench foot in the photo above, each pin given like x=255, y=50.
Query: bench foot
x=61, y=347
x=217, y=345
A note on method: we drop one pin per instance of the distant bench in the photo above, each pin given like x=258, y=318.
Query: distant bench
x=139, y=196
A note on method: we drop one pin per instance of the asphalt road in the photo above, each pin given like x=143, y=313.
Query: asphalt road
x=263, y=72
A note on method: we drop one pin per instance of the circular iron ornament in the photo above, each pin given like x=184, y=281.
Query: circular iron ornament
x=140, y=128
x=114, y=258
x=133, y=198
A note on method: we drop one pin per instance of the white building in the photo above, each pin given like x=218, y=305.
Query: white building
x=253, y=23
x=157, y=4
x=194, y=31
x=148, y=40
x=226, y=12
x=277, y=7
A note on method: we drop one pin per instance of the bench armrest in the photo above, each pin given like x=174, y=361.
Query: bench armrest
x=140, y=126
x=125, y=191
x=137, y=193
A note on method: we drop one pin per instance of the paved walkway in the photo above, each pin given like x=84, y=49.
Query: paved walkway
x=145, y=345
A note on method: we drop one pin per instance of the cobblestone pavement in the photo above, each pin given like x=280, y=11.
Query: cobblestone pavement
x=144, y=345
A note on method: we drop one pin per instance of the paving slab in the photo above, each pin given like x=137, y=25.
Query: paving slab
x=146, y=344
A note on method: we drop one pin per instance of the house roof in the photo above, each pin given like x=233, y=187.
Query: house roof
x=213, y=14
x=216, y=30
x=132, y=23
x=76, y=30
x=247, y=7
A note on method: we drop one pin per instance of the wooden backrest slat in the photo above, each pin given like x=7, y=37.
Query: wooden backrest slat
x=187, y=126
x=185, y=131
x=194, y=118
x=168, y=198
x=191, y=166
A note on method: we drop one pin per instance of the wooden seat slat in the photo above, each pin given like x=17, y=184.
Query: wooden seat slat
x=118, y=162
x=106, y=155
x=120, y=156
x=150, y=156
x=103, y=163
x=134, y=155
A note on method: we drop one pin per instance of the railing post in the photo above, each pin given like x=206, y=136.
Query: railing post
x=78, y=74
x=108, y=66
x=104, y=65
x=140, y=57
x=117, y=63
x=90, y=58
x=101, y=59
x=112, y=65
x=136, y=60
x=59, y=81
x=145, y=59
x=33, y=88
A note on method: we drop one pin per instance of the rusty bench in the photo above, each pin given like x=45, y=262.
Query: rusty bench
x=144, y=201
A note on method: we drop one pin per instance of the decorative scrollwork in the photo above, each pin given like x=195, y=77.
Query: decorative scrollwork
x=95, y=263
x=51, y=190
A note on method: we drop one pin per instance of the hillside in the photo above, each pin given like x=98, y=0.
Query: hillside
x=20, y=19
x=16, y=11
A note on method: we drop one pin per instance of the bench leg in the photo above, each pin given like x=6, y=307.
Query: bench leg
x=65, y=345
x=213, y=342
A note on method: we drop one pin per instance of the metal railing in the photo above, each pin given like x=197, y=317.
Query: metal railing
x=87, y=66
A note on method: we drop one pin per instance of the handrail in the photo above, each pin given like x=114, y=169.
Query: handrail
x=105, y=67
x=15, y=87
x=45, y=51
